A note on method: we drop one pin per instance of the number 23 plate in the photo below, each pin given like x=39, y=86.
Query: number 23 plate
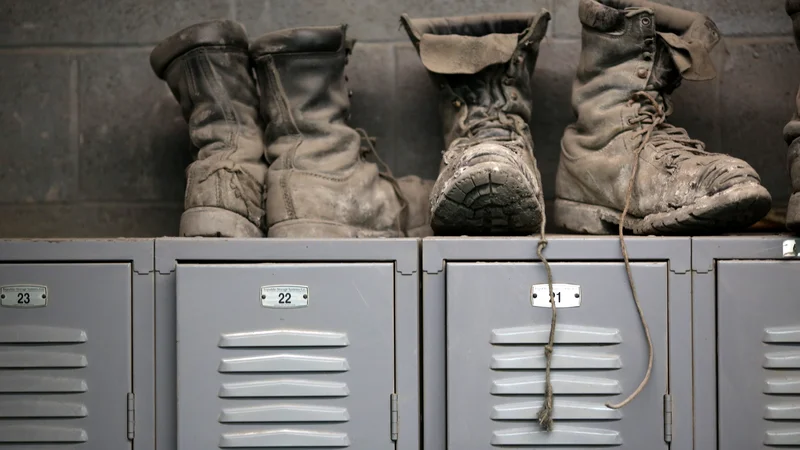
x=567, y=295
x=284, y=297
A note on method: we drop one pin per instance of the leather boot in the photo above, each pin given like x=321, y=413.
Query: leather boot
x=792, y=134
x=621, y=154
x=488, y=181
x=319, y=182
x=208, y=69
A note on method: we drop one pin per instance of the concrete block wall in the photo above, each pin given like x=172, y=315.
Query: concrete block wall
x=93, y=145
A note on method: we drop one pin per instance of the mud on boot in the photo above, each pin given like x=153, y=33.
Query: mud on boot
x=488, y=182
x=622, y=152
x=207, y=68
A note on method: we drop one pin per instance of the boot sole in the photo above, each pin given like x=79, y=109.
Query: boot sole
x=207, y=221
x=731, y=210
x=487, y=200
x=793, y=213
x=313, y=229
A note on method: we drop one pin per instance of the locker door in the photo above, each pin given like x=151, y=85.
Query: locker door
x=495, y=357
x=65, y=356
x=285, y=355
x=758, y=339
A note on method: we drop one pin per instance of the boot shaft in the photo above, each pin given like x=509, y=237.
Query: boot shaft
x=482, y=65
x=303, y=92
x=631, y=46
x=208, y=70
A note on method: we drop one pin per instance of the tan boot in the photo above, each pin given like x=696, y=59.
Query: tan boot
x=207, y=67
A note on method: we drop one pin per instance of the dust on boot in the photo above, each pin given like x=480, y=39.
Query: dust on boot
x=792, y=134
x=488, y=182
x=319, y=183
x=621, y=154
x=207, y=68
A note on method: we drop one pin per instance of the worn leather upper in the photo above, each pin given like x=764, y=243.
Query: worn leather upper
x=617, y=62
x=212, y=33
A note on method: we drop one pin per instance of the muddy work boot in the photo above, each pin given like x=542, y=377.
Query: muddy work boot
x=488, y=182
x=319, y=183
x=207, y=67
x=622, y=155
x=792, y=135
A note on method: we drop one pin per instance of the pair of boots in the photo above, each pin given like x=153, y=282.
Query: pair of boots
x=620, y=158
x=275, y=156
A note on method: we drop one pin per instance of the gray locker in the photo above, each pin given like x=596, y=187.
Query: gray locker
x=292, y=344
x=747, y=312
x=485, y=326
x=67, y=348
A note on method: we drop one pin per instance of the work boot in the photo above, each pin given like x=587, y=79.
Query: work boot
x=208, y=69
x=319, y=182
x=792, y=134
x=622, y=155
x=488, y=181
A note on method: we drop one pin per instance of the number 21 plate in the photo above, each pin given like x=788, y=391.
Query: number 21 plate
x=566, y=295
x=284, y=297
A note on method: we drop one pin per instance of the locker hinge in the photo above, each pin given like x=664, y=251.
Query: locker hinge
x=667, y=418
x=131, y=416
x=394, y=430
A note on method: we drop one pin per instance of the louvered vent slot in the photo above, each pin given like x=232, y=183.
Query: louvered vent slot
x=42, y=385
x=285, y=400
x=782, y=412
x=518, y=362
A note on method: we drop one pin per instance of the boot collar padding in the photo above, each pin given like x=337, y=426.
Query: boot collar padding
x=469, y=44
x=214, y=33
x=690, y=36
x=330, y=39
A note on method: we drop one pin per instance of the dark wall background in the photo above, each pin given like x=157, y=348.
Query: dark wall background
x=93, y=145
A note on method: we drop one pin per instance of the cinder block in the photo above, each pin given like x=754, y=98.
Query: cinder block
x=552, y=105
x=742, y=17
x=101, y=22
x=134, y=143
x=758, y=90
x=85, y=221
x=38, y=155
x=419, y=141
x=369, y=20
x=371, y=80
x=733, y=17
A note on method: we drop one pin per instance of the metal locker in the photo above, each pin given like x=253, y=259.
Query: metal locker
x=315, y=348
x=488, y=296
x=747, y=313
x=67, y=351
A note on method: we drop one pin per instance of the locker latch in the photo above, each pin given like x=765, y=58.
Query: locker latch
x=667, y=418
x=394, y=430
x=131, y=415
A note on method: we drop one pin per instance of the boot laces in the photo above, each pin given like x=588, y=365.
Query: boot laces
x=668, y=140
x=401, y=222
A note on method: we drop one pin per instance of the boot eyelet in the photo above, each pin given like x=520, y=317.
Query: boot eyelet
x=649, y=41
x=457, y=103
x=641, y=73
x=647, y=56
x=349, y=93
x=507, y=81
x=630, y=120
x=646, y=21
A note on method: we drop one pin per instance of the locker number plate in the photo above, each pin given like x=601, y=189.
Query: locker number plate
x=284, y=297
x=23, y=296
x=567, y=295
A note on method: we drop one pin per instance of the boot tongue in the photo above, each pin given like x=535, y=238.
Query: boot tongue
x=454, y=54
x=691, y=57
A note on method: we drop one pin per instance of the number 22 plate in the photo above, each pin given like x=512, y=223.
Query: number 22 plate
x=284, y=297
x=567, y=295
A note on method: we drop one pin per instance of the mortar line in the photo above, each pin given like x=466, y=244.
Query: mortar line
x=74, y=119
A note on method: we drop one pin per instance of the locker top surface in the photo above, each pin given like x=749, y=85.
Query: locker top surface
x=139, y=252
x=403, y=251
x=706, y=250
x=435, y=251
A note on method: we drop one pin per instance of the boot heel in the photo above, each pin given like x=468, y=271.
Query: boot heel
x=207, y=221
x=313, y=229
x=582, y=218
x=793, y=213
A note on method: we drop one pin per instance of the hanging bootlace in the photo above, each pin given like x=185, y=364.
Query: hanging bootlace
x=545, y=414
x=369, y=148
x=654, y=131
